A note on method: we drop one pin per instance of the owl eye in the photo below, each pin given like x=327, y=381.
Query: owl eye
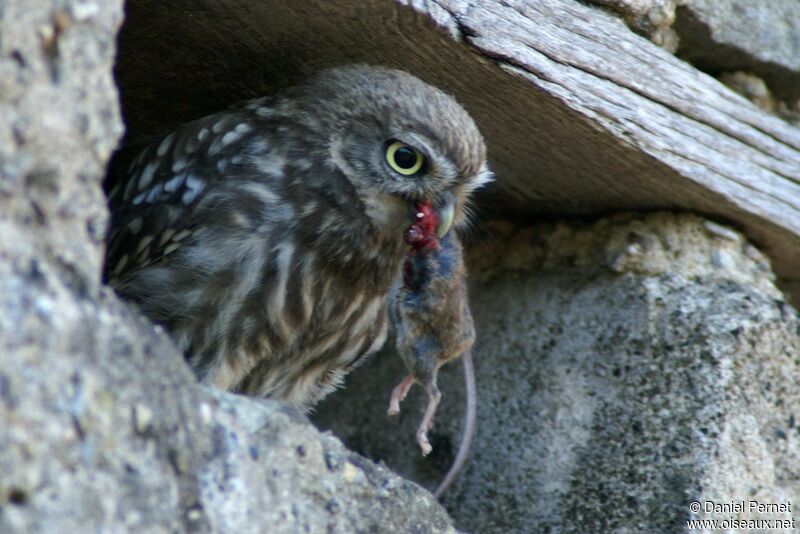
x=404, y=159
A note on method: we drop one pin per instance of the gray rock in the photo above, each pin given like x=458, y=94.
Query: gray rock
x=106, y=428
x=652, y=18
x=758, y=37
x=60, y=120
x=625, y=368
x=103, y=428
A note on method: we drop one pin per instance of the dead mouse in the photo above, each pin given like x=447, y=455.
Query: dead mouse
x=433, y=324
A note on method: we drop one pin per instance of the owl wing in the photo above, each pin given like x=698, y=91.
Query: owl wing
x=152, y=209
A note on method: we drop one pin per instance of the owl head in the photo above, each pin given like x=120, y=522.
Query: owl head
x=399, y=142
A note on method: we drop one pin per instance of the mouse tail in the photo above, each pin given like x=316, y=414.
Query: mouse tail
x=470, y=409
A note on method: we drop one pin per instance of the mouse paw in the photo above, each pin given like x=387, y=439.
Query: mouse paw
x=399, y=394
x=434, y=396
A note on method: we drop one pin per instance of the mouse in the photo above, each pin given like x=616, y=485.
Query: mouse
x=434, y=325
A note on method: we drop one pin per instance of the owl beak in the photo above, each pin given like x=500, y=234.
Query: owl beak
x=446, y=214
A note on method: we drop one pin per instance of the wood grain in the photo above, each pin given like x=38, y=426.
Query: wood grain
x=582, y=116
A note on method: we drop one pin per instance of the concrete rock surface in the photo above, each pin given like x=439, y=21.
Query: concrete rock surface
x=103, y=428
x=625, y=368
x=652, y=18
x=730, y=35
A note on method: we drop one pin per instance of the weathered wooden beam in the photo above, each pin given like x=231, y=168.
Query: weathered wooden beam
x=582, y=116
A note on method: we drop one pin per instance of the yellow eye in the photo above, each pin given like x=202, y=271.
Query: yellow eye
x=404, y=159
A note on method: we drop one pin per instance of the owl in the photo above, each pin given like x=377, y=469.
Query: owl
x=266, y=239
